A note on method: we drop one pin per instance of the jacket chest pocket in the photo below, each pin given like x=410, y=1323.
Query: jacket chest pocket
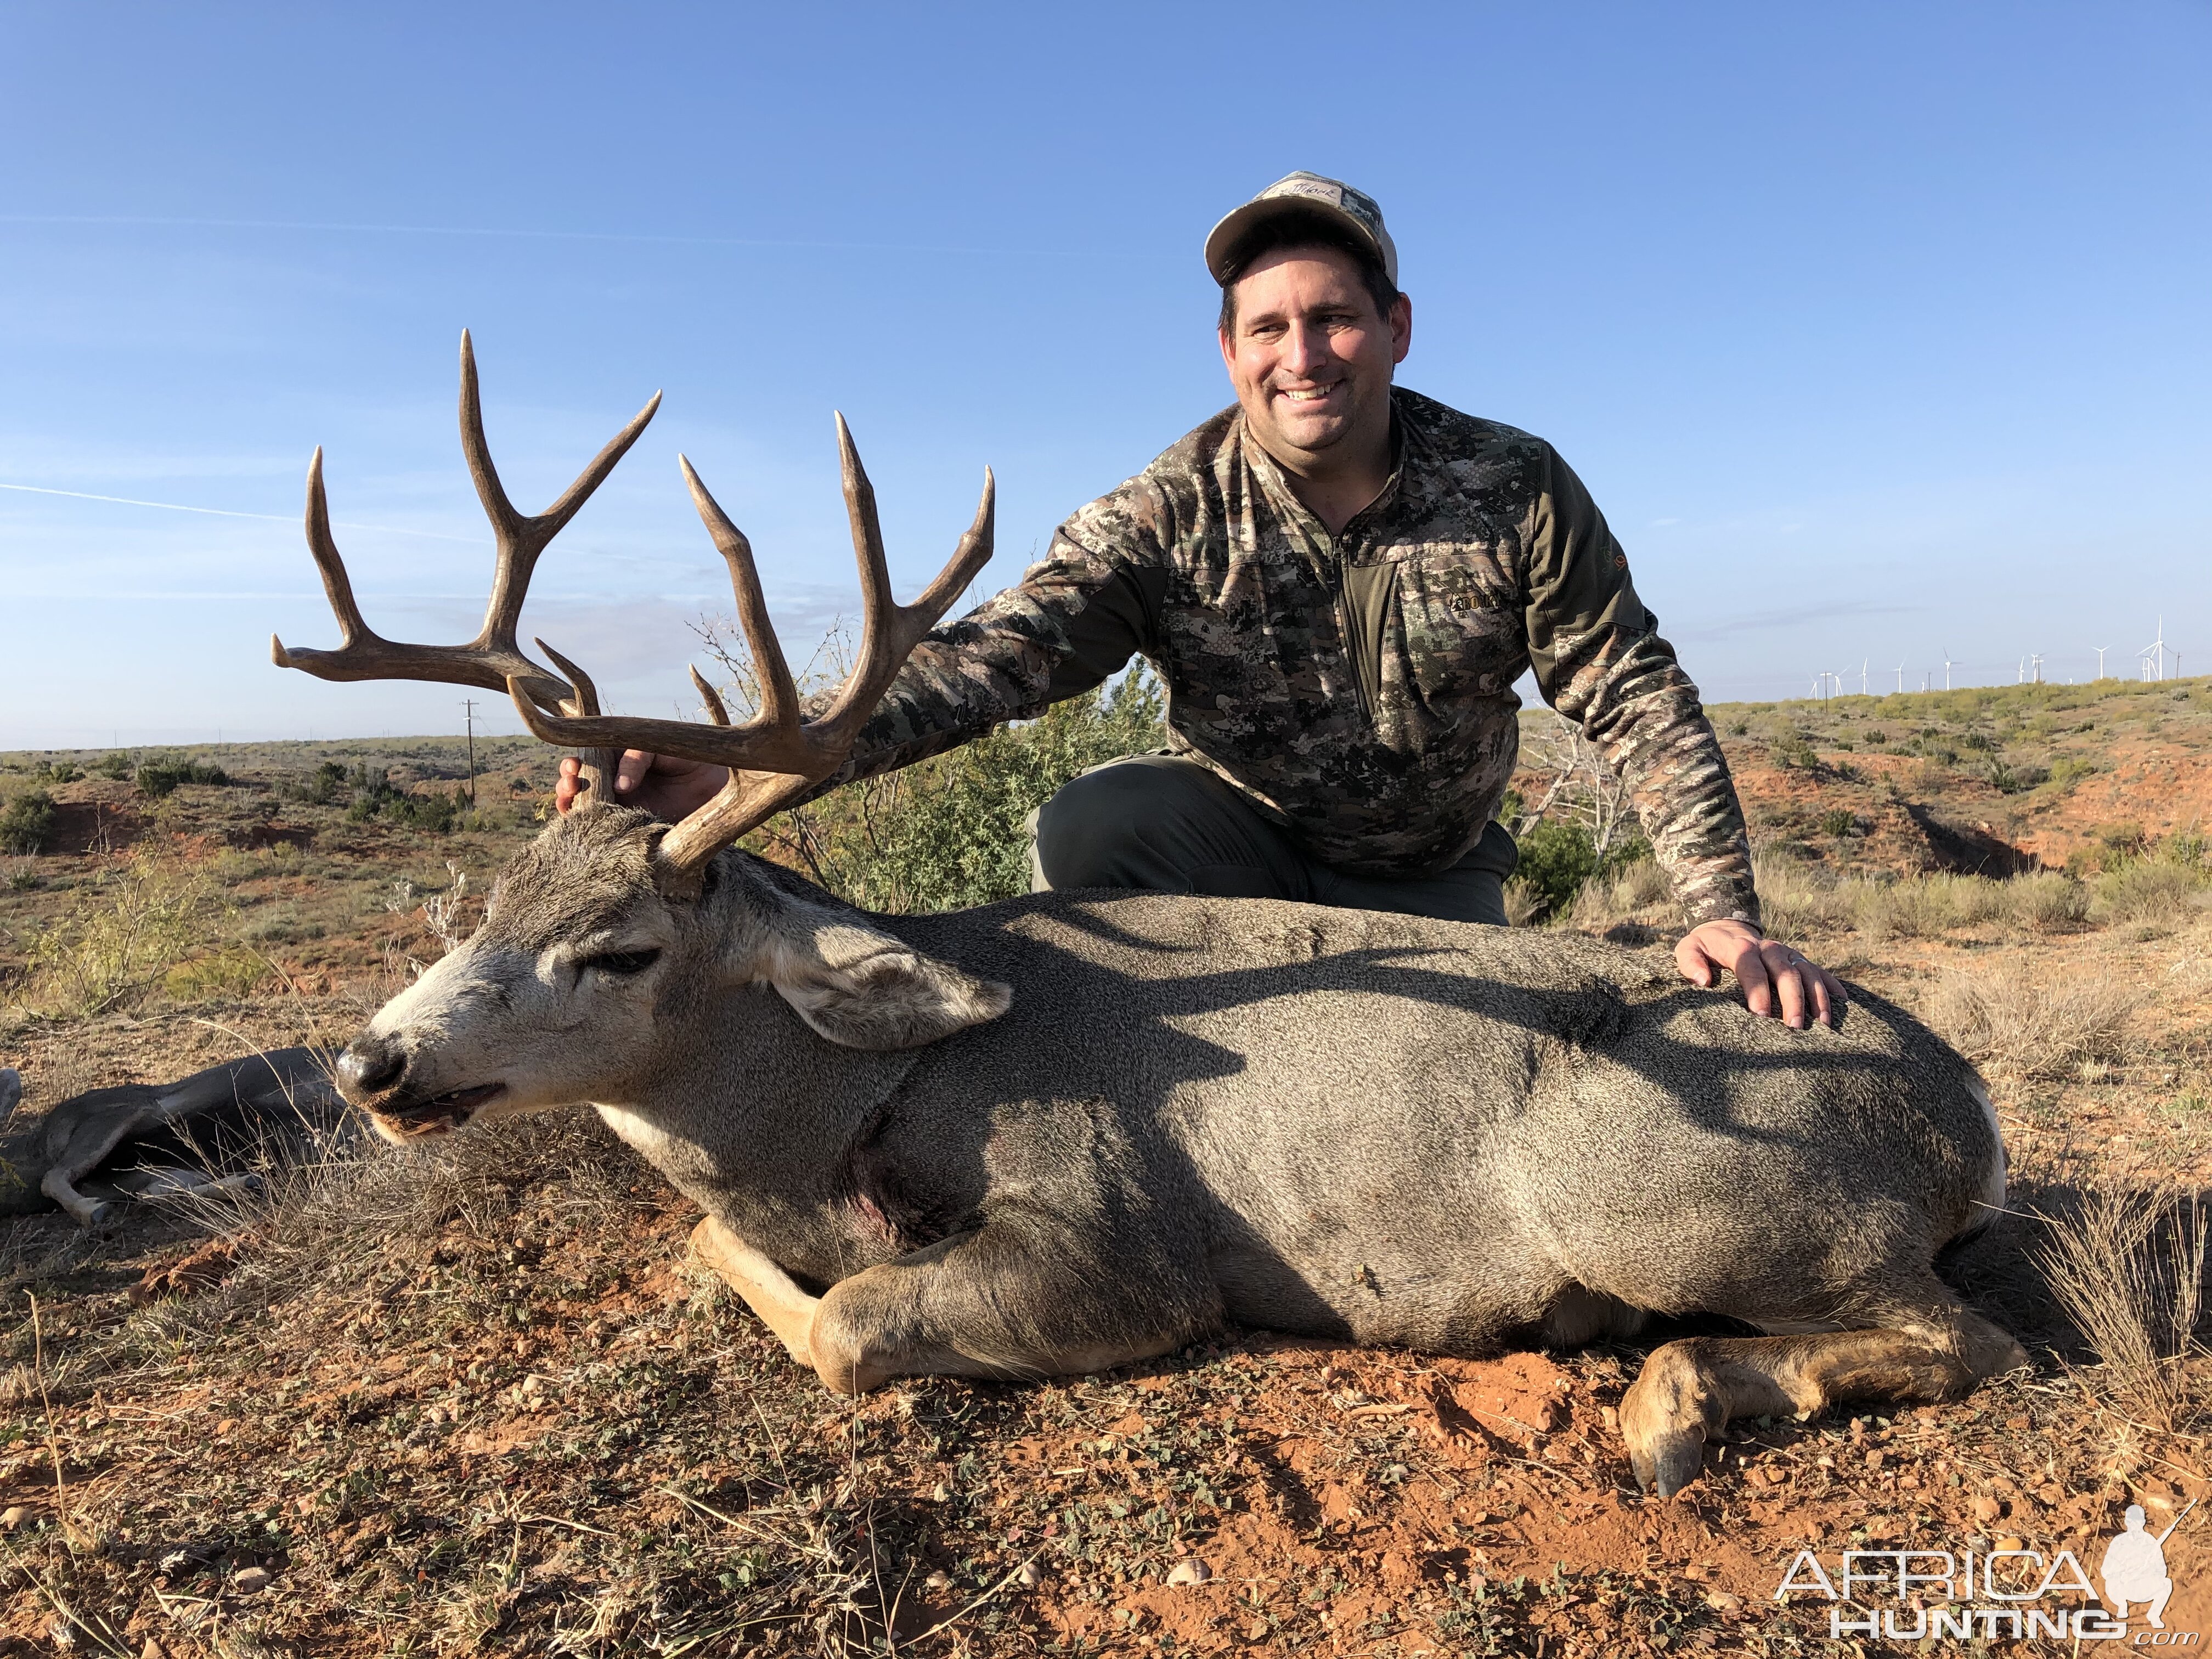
x=1460, y=631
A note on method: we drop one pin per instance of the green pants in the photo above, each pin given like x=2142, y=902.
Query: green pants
x=1168, y=825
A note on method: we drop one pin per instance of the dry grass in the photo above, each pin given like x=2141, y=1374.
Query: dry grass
x=2128, y=1267
x=2011, y=1024
x=2162, y=893
x=1799, y=899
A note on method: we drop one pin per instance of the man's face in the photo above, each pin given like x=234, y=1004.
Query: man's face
x=1310, y=356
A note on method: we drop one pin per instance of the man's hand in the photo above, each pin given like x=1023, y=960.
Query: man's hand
x=1776, y=980
x=661, y=784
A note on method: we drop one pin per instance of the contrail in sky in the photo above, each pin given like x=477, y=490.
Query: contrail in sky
x=232, y=512
x=567, y=235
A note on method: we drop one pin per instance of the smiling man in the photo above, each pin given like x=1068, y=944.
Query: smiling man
x=1339, y=581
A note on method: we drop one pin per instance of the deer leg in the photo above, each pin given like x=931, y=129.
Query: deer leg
x=996, y=1302
x=767, y=1289
x=1690, y=1390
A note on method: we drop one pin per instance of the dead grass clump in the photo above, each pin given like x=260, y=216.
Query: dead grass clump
x=1794, y=898
x=1914, y=907
x=2045, y=899
x=2128, y=1267
x=2160, y=892
x=1627, y=894
x=2009, y=1022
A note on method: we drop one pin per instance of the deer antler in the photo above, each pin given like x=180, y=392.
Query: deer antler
x=776, y=756
x=492, y=660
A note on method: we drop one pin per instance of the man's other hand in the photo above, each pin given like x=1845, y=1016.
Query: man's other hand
x=1776, y=980
x=663, y=785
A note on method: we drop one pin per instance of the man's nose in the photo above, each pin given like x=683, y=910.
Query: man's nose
x=1305, y=348
x=370, y=1066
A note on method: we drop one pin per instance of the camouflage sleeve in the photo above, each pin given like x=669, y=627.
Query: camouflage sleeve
x=1074, y=619
x=1600, y=661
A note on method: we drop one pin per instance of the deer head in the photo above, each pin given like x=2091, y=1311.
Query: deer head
x=613, y=925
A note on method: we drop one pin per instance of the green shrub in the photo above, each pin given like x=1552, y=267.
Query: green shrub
x=26, y=822
x=157, y=778
x=120, y=936
x=1838, y=821
x=117, y=767
x=1559, y=860
x=951, y=831
x=62, y=772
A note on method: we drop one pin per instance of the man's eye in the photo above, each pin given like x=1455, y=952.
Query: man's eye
x=623, y=961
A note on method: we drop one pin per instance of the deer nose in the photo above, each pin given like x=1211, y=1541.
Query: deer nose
x=370, y=1066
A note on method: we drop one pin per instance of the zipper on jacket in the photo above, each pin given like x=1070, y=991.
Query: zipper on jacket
x=1344, y=646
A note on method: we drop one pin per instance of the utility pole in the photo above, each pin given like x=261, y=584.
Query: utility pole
x=469, y=713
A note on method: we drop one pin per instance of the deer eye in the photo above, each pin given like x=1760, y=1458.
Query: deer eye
x=621, y=963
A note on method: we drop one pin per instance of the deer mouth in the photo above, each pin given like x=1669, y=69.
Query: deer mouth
x=440, y=1114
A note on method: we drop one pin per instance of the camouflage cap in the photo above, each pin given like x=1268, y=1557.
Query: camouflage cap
x=1303, y=195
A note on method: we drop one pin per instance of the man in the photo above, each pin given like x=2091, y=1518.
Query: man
x=1339, y=581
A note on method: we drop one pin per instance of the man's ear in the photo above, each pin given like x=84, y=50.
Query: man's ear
x=864, y=989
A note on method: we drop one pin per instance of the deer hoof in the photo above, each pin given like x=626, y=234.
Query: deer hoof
x=1666, y=1416
x=1670, y=1462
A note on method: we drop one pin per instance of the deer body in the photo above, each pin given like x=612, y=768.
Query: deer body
x=1071, y=1131
x=1378, y=1128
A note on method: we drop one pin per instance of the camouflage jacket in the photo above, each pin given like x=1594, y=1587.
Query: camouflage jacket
x=1356, y=687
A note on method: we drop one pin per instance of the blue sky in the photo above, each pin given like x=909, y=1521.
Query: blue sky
x=1879, y=332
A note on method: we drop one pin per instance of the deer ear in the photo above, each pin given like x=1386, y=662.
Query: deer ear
x=864, y=989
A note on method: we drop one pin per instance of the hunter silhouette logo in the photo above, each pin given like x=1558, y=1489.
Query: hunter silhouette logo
x=2134, y=1568
x=2019, y=1594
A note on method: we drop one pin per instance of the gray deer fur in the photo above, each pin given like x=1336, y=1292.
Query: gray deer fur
x=1188, y=1111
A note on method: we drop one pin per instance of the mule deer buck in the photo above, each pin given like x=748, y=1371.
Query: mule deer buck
x=1079, y=1129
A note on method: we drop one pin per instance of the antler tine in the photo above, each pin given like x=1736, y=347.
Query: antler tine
x=584, y=698
x=336, y=584
x=778, y=693
x=520, y=537
x=712, y=698
x=889, y=631
x=876, y=605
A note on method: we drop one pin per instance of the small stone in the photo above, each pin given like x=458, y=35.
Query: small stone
x=1256, y=1631
x=152, y=1650
x=1987, y=1509
x=1190, y=1571
x=249, y=1580
x=940, y=1493
x=1029, y=1575
x=938, y=1581
x=1722, y=1601
x=2005, y=1545
x=12, y=1517
x=1874, y=1460
x=225, y=1426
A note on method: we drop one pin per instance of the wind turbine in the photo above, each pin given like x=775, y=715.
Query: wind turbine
x=2101, y=659
x=1863, y=661
x=1900, y=680
x=1947, y=668
x=2153, y=654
